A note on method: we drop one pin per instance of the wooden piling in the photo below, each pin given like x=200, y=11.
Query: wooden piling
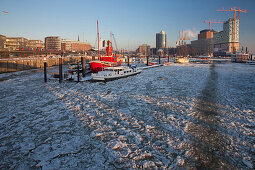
x=78, y=72
x=83, y=62
x=45, y=71
x=60, y=69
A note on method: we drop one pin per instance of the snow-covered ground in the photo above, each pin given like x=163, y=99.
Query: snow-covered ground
x=191, y=116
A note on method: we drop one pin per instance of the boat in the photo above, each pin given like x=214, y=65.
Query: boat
x=204, y=57
x=109, y=60
x=240, y=57
x=111, y=73
x=182, y=60
x=251, y=62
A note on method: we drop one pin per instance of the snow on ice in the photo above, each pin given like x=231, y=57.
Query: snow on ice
x=196, y=116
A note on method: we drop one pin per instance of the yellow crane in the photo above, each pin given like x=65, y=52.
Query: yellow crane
x=235, y=10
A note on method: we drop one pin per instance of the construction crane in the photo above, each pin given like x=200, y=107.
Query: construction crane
x=114, y=41
x=234, y=9
x=211, y=22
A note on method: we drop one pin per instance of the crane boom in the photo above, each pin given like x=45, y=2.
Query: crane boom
x=234, y=9
x=115, y=41
x=211, y=22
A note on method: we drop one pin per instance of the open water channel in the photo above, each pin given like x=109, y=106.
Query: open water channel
x=198, y=116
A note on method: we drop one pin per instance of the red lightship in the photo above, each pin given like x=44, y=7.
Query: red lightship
x=110, y=60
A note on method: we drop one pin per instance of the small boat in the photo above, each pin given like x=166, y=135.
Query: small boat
x=240, y=57
x=182, y=60
x=111, y=73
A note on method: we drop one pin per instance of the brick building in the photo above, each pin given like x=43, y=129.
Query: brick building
x=53, y=43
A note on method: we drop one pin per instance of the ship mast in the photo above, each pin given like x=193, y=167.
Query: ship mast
x=98, y=41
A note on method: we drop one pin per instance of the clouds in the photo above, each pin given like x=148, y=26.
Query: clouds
x=191, y=34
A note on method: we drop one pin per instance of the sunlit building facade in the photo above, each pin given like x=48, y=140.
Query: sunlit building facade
x=161, y=40
x=144, y=49
x=227, y=40
x=53, y=43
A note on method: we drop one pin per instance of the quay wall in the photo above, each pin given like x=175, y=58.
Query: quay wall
x=12, y=65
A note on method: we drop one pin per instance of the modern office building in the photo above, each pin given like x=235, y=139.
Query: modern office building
x=53, y=43
x=227, y=40
x=161, y=40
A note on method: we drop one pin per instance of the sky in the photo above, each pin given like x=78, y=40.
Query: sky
x=133, y=22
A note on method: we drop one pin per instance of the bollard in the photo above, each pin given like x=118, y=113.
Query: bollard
x=147, y=60
x=60, y=70
x=45, y=68
x=128, y=60
x=78, y=72
x=45, y=72
x=83, y=62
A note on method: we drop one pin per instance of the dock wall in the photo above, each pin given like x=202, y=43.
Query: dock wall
x=12, y=65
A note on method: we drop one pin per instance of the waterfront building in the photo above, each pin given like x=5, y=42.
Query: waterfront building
x=204, y=45
x=53, y=43
x=78, y=46
x=144, y=49
x=161, y=40
x=35, y=44
x=13, y=43
x=66, y=45
x=227, y=40
x=2, y=42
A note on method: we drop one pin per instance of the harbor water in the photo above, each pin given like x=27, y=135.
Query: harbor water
x=198, y=116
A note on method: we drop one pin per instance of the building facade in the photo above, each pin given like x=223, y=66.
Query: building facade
x=35, y=44
x=144, y=49
x=161, y=40
x=227, y=40
x=66, y=45
x=2, y=42
x=205, y=34
x=53, y=43
x=13, y=43
x=204, y=45
x=78, y=46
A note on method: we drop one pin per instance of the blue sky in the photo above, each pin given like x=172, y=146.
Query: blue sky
x=133, y=22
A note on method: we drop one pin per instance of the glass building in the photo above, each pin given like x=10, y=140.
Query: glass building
x=161, y=40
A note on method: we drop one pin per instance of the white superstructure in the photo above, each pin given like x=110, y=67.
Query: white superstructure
x=111, y=73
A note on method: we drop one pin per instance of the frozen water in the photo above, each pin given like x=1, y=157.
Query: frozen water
x=181, y=116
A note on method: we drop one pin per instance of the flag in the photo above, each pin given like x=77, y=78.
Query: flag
x=5, y=12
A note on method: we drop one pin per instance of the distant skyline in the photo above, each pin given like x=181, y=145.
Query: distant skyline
x=133, y=22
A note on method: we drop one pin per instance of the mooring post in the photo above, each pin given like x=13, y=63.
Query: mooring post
x=60, y=69
x=147, y=59
x=83, y=62
x=78, y=72
x=128, y=60
x=159, y=59
x=45, y=68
